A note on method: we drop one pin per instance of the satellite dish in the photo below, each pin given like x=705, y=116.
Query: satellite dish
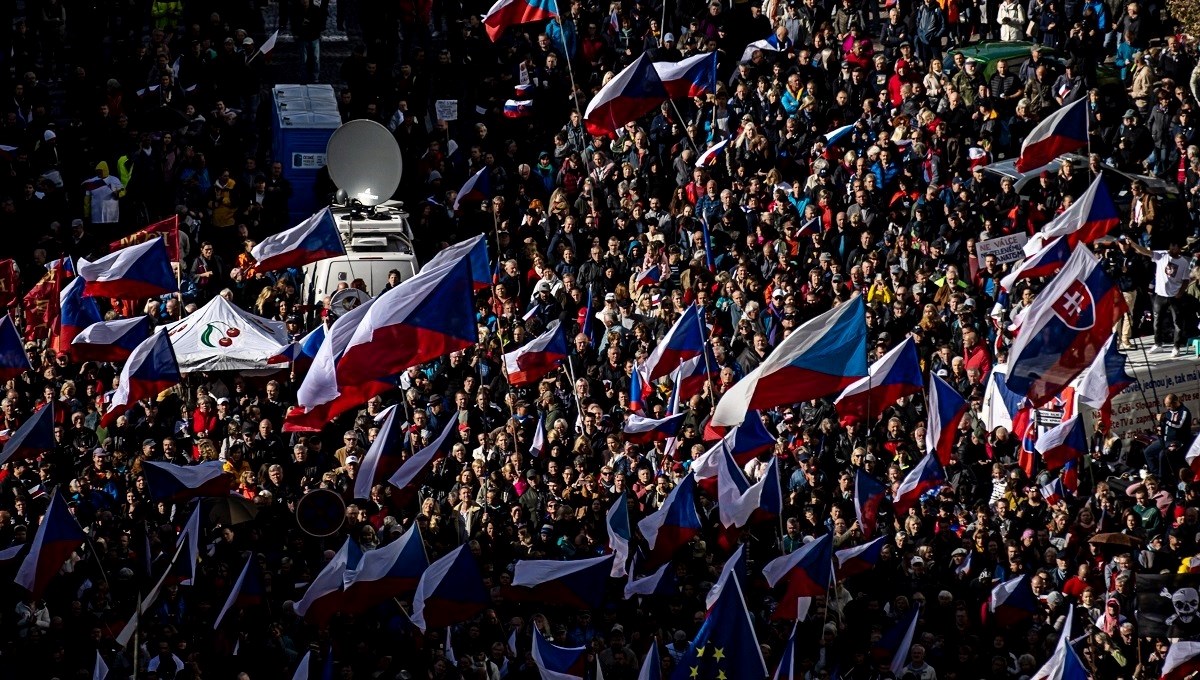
x=346, y=300
x=364, y=161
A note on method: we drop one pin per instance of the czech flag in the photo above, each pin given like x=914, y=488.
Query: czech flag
x=475, y=252
x=151, y=369
x=651, y=665
x=1090, y=217
x=1104, y=379
x=313, y=240
x=323, y=598
x=868, y=495
x=187, y=551
x=110, y=340
x=35, y=436
x=1054, y=492
x=740, y=503
x=75, y=313
x=693, y=374
x=710, y=154
x=13, y=360
x=639, y=430
x=1064, y=329
x=897, y=641
x=558, y=663
x=181, y=483
x=616, y=521
x=540, y=356
x=575, y=583
x=1065, y=664
x=1183, y=659
x=809, y=228
x=660, y=582
x=1010, y=602
x=823, y=356
x=136, y=272
x=1000, y=404
x=789, y=667
x=389, y=571
x=737, y=566
x=808, y=572
x=648, y=277
x=415, y=467
x=539, y=438
x=450, y=591
x=895, y=375
x=674, y=524
x=507, y=13
x=836, y=134
x=692, y=77
x=1065, y=442
x=946, y=411
x=925, y=476
x=423, y=318
x=860, y=559
x=684, y=341
x=478, y=187
x=518, y=108
x=1061, y=132
x=247, y=590
x=384, y=456
x=1192, y=458
x=633, y=93
x=57, y=537
x=1045, y=262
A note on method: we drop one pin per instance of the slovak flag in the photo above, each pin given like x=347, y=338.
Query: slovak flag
x=895, y=375
x=323, y=597
x=247, y=590
x=518, y=108
x=637, y=390
x=1064, y=442
x=619, y=534
x=1091, y=216
x=384, y=456
x=132, y=273
x=35, y=436
x=558, y=663
x=450, y=591
x=684, y=341
x=1104, y=379
x=1011, y=602
x=478, y=187
x=1054, y=492
x=1064, y=329
x=110, y=340
x=75, y=313
x=151, y=369
x=946, y=411
x=313, y=240
x=639, y=430
x=674, y=524
x=57, y=537
x=925, y=476
x=860, y=559
x=711, y=153
x=572, y=583
x=13, y=360
x=868, y=495
x=634, y=92
x=1183, y=659
x=507, y=13
x=540, y=356
x=826, y=354
x=692, y=77
x=808, y=572
x=1044, y=262
x=425, y=317
x=389, y=571
x=649, y=277
x=180, y=483
x=1061, y=132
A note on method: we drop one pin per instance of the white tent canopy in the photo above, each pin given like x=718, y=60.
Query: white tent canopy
x=222, y=337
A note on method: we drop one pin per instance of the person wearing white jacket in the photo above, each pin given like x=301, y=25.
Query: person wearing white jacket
x=1011, y=17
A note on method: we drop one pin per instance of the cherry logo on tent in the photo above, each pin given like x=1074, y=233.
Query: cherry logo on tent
x=1076, y=307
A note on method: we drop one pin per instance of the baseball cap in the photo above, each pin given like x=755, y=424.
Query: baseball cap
x=351, y=460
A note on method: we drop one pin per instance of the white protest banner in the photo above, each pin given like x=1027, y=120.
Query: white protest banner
x=1005, y=248
x=446, y=109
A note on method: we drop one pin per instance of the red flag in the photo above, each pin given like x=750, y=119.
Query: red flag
x=168, y=229
x=9, y=282
x=41, y=308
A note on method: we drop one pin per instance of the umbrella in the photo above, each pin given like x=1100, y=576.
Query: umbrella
x=228, y=510
x=1116, y=540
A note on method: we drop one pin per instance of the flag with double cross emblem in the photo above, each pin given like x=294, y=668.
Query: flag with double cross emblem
x=1064, y=329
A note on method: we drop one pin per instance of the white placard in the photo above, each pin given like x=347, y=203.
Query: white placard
x=446, y=109
x=1006, y=248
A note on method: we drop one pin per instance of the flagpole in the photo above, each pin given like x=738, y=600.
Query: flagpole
x=712, y=390
x=503, y=345
x=567, y=50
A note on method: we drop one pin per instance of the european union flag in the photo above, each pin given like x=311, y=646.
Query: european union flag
x=725, y=648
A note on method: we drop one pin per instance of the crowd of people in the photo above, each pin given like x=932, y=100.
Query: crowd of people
x=115, y=118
